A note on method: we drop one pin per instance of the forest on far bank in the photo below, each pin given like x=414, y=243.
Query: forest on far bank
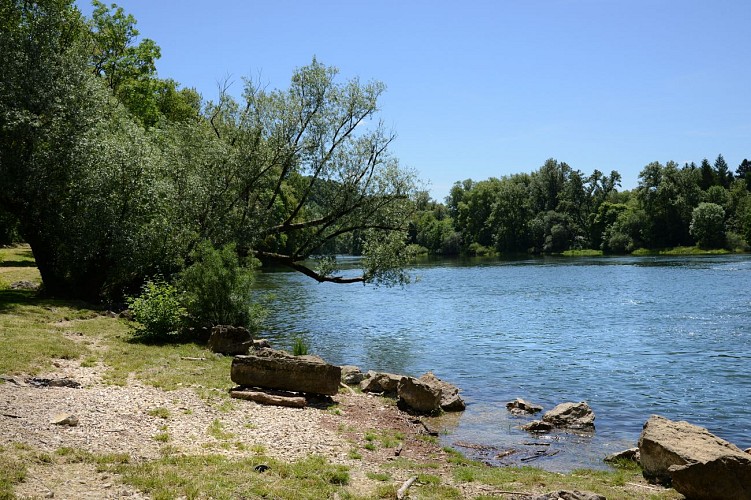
x=117, y=177
x=557, y=209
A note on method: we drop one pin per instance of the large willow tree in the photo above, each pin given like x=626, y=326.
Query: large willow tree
x=107, y=195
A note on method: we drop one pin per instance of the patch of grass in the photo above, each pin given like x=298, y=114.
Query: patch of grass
x=12, y=472
x=354, y=455
x=216, y=430
x=609, y=483
x=161, y=437
x=378, y=476
x=17, y=264
x=159, y=412
x=587, y=252
x=370, y=446
x=300, y=347
x=677, y=251
x=428, y=438
x=406, y=463
x=216, y=476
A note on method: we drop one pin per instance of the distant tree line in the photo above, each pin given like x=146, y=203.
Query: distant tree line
x=557, y=208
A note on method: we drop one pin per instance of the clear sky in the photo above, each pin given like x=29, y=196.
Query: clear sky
x=479, y=89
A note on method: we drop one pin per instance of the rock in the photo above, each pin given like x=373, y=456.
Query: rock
x=569, y=495
x=418, y=395
x=270, y=398
x=695, y=462
x=450, y=399
x=630, y=454
x=261, y=344
x=573, y=415
x=522, y=407
x=748, y=450
x=380, y=382
x=53, y=382
x=23, y=285
x=537, y=426
x=65, y=419
x=351, y=375
x=273, y=369
x=230, y=340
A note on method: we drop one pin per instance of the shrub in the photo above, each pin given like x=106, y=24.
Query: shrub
x=217, y=289
x=299, y=347
x=157, y=309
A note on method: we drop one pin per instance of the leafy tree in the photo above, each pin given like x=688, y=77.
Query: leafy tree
x=708, y=225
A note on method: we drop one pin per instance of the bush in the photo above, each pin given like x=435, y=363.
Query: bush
x=217, y=289
x=158, y=310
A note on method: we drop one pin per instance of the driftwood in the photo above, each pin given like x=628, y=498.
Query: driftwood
x=268, y=398
x=402, y=492
x=351, y=391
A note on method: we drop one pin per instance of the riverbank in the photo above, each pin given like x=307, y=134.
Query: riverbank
x=157, y=422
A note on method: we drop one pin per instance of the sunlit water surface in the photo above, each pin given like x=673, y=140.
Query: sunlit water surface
x=633, y=336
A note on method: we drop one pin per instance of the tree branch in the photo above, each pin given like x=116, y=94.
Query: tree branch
x=288, y=261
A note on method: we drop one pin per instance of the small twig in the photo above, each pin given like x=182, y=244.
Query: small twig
x=189, y=358
x=540, y=455
x=401, y=492
x=10, y=415
x=351, y=391
x=644, y=486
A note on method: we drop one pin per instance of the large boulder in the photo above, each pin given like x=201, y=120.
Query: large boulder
x=450, y=399
x=694, y=461
x=572, y=415
x=273, y=369
x=419, y=396
x=380, y=382
x=230, y=340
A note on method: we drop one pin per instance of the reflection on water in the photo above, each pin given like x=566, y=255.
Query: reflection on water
x=632, y=336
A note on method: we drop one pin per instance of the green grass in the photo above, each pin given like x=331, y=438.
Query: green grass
x=159, y=412
x=17, y=264
x=587, y=252
x=216, y=476
x=679, y=251
x=12, y=472
x=216, y=430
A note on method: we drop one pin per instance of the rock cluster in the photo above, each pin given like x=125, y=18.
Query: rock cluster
x=426, y=394
x=522, y=407
x=695, y=462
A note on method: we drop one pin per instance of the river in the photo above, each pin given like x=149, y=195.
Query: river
x=633, y=336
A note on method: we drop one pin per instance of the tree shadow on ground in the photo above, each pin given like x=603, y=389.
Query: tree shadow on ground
x=11, y=300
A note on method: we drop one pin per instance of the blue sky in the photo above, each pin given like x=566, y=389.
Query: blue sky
x=491, y=88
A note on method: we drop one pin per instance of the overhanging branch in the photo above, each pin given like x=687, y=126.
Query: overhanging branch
x=287, y=261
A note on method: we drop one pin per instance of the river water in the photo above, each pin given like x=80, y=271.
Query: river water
x=632, y=336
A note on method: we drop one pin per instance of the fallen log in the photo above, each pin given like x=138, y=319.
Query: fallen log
x=267, y=398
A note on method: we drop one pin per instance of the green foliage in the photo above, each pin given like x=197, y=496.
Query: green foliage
x=299, y=346
x=708, y=225
x=158, y=309
x=217, y=289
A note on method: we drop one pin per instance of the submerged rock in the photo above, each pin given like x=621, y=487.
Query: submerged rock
x=522, y=407
x=537, y=426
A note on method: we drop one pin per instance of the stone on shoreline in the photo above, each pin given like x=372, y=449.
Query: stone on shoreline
x=630, y=454
x=419, y=396
x=273, y=369
x=230, y=340
x=380, y=382
x=450, y=399
x=694, y=461
x=351, y=375
x=537, y=426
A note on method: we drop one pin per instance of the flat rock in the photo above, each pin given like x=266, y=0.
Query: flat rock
x=522, y=407
x=64, y=419
x=271, y=369
x=569, y=495
x=537, y=426
x=572, y=415
x=694, y=461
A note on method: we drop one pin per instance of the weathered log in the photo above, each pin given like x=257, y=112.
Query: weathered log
x=267, y=398
x=273, y=369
